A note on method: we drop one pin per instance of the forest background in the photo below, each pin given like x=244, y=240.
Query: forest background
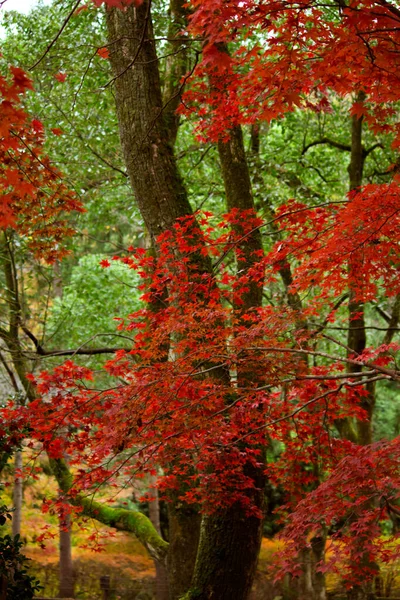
x=324, y=285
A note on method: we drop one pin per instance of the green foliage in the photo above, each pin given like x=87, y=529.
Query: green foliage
x=386, y=420
x=80, y=109
x=13, y=567
x=90, y=302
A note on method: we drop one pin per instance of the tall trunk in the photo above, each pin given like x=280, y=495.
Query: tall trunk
x=66, y=568
x=356, y=340
x=228, y=551
x=236, y=176
x=161, y=570
x=312, y=584
x=176, y=66
x=66, y=571
x=149, y=157
x=184, y=532
x=159, y=192
x=229, y=539
x=17, y=494
x=318, y=544
x=162, y=199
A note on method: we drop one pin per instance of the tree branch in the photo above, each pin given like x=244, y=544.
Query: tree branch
x=122, y=519
x=339, y=145
x=373, y=147
x=85, y=351
x=54, y=40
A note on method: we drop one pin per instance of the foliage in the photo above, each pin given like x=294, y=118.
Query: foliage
x=208, y=420
x=211, y=385
x=287, y=57
x=13, y=567
x=28, y=180
x=91, y=302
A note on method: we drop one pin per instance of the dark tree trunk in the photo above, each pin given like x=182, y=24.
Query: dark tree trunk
x=230, y=540
x=227, y=558
x=235, y=173
x=159, y=192
x=184, y=531
x=148, y=154
x=176, y=66
x=356, y=340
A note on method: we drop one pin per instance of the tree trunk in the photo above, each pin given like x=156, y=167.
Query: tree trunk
x=66, y=571
x=176, y=66
x=228, y=551
x=184, y=531
x=318, y=544
x=162, y=592
x=357, y=339
x=148, y=155
x=17, y=494
x=230, y=540
x=158, y=190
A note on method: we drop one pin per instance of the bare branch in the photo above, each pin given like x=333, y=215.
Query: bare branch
x=329, y=142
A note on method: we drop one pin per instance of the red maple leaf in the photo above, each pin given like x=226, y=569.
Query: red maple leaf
x=61, y=77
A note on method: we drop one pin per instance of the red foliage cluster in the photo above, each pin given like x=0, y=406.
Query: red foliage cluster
x=364, y=231
x=206, y=387
x=293, y=54
x=34, y=196
x=361, y=491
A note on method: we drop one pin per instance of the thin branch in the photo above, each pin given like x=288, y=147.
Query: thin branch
x=394, y=374
x=374, y=147
x=9, y=373
x=63, y=26
x=84, y=351
x=339, y=145
x=325, y=322
x=88, y=146
x=390, y=7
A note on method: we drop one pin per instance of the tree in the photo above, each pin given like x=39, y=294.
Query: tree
x=237, y=370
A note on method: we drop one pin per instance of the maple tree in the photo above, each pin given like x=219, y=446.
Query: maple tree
x=215, y=377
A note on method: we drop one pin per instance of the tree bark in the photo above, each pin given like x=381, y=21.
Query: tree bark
x=176, y=66
x=152, y=169
x=357, y=340
x=17, y=494
x=149, y=157
x=184, y=531
x=66, y=570
x=236, y=176
x=228, y=551
x=162, y=592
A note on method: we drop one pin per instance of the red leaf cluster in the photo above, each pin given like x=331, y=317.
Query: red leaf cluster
x=34, y=198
